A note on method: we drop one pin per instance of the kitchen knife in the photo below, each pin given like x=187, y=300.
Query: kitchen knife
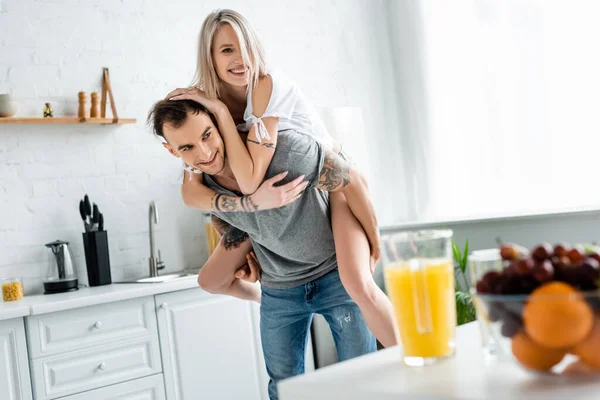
x=88, y=205
x=83, y=215
x=95, y=214
x=100, y=222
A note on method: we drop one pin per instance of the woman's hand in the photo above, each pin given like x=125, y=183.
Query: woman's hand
x=193, y=93
x=269, y=196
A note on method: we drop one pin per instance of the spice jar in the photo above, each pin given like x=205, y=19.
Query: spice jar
x=12, y=289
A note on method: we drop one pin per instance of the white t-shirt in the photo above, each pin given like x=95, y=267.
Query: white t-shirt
x=292, y=108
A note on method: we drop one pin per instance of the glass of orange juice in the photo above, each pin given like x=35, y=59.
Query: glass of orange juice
x=419, y=279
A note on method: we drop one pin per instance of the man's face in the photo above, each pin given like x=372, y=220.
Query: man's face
x=198, y=143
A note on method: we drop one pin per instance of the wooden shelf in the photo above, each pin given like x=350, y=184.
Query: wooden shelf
x=68, y=120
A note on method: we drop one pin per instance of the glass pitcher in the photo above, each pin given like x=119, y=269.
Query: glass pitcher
x=419, y=279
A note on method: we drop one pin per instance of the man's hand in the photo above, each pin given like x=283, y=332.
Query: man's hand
x=249, y=272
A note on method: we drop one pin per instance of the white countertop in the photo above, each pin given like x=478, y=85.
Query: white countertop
x=383, y=376
x=89, y=296
x=13, y=309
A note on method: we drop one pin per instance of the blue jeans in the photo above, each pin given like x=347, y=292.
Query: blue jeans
x=286, y=315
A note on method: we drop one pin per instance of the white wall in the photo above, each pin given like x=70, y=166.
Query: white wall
x=50, y=50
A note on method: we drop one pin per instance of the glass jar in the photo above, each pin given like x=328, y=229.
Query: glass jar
x=419, y=278
x=12, y=289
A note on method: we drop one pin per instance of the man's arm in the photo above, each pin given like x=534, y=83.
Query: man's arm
x=338, y=175
x=268, y=196
x=217, y=276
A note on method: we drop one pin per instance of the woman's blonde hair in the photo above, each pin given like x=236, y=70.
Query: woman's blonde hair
x=253, y=55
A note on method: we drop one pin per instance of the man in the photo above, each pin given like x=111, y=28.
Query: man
x=293, y=244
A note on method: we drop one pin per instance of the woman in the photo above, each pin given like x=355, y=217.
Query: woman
x=232, y=72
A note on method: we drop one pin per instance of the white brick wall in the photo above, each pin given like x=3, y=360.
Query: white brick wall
x=50, y=50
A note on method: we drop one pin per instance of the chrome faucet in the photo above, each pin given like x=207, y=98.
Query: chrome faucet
x=155, y=263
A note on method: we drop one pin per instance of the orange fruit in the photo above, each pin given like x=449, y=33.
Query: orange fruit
x=532, y=355
x=556, y=316
x=588, y=350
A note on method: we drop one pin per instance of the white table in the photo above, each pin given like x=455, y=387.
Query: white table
x=382, y=376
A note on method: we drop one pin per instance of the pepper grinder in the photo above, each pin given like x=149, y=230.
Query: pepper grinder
x=48, y=113
x=95, y=110
x=82, y=112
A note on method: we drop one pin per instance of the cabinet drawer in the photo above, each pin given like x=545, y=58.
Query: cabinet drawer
x=149, y=388
x=85, y=327
x=78, y=371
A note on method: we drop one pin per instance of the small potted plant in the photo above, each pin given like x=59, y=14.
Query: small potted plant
x=465, y=311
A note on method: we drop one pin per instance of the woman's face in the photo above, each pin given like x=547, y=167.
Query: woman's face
x=227, y=57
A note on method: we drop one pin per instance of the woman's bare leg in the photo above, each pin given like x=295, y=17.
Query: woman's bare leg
x=353, y=254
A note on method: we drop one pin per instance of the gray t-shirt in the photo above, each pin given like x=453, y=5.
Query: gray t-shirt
x=294, y=244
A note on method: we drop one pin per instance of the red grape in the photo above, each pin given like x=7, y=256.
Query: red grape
x=491, y=278
x=482, y=287
x=524, y=266
x=508, y=252
x=544, y=271
x=561, y=250
x=575, y=254
x=542, y=252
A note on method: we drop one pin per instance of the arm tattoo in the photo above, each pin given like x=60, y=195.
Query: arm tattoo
x=248, y=204
x=228, y=204
x=267, y=145
x=220, y=226
x=233, y=238
x=335, y=173
x=225, y=203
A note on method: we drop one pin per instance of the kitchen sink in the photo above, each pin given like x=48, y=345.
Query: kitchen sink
x=161, y=278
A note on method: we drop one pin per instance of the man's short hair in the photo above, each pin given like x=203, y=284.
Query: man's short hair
x=174, y=113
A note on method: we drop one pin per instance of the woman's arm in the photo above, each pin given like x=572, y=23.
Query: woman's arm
x=249, y=164
x=337, y=175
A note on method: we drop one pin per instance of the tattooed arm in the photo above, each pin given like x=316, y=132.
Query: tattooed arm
x=337, y=175
x=196, y=195
x=268, y=196
x=217, y=276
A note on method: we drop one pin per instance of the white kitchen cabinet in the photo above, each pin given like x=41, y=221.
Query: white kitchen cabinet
x=14, y=367
x=78, y=371
x=149, y=388
x=209, y=347
x=86, y=327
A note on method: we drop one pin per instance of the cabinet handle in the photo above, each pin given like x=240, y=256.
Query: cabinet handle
x=102, y=366
x=98, y=325
x=164, y=306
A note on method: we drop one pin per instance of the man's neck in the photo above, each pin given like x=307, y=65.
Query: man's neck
x=226, y=178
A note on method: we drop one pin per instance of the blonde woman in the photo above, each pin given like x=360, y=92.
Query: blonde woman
x=233, y=82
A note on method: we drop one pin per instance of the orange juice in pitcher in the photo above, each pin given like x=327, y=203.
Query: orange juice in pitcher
x=419, y=279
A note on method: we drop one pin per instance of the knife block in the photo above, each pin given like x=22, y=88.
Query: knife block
x=97, y=260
